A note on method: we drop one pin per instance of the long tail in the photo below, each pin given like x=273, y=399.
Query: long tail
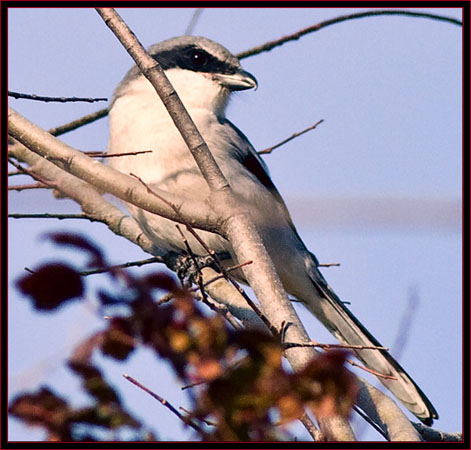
x=332, y=312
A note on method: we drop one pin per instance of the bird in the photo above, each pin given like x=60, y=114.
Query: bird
x=205, y=75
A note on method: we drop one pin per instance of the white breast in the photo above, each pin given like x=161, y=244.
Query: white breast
x=139, y=121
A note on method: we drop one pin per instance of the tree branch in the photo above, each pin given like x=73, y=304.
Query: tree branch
x=193, y=21
x=85, y=120
x=95, y=208
x=293, y=136
x=234, y=224
x=41, y=98
x=105, y=178
x=168, y=405
x=319, y=26
x=91, y=202
x=50, y=216
x=266, y=47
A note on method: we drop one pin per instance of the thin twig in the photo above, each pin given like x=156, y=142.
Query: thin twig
x=93, y=154
x=194, y=18
x=85, y=120
x=196, y=383
x=52, y=216
x=313, y=28
x=228, y=270
x=223, y=311
x=41, y=98
x=166, y=404
x=166, y=298
x=405, y=324
x=295, y=135
x=312, y=343
x=25, y=187
x=233, y=366
x=373, y=372
x=57, y=131
x=331, y=346
x=206, y=421
x=90, y=201
x=32, y=174
x=139, y=263
x=329, y=265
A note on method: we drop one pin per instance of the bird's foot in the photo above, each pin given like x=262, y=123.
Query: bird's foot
x=188, y=267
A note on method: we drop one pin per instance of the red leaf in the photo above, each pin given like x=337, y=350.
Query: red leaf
x=162, y=281
x=118, y=340
x=51, y=285
x=82, y=243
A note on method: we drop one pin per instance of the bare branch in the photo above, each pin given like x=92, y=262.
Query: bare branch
x=152, y=70
x=194, y=19
x=114, y=155
x=89, y=199
x=234, y=223
x=265, y=47
x=206, y=421
x=373, y=372
x=52, y=216
x=139, y=263
x=168, y=405
x=331, y=346
x=228, y=270
x=105, y=178
x=223, y=311
x=85, y=120
x=41, y=98
x=32, y=174
x=405, y=323
x=25, y=187
x=313, y=28
x=314, y=344
x=295, y=135
x=216, y=259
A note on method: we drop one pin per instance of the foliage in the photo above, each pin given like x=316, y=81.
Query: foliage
x=241, y=391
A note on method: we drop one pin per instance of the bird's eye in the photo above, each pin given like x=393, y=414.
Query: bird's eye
x=198, y=58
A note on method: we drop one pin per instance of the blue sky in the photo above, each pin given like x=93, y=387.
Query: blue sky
x=376, y=187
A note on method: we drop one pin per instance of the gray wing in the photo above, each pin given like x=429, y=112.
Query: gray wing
x=336, y=316
x=244, y=152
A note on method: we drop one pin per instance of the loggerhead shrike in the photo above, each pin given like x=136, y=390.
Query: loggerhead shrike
x=204, y=74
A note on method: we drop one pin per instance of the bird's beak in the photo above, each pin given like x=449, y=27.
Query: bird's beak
x=238, y=81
